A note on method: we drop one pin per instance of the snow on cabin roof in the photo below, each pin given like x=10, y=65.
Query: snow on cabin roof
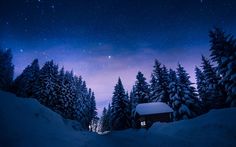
x=153, y=108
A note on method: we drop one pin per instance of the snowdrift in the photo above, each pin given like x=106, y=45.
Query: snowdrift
x=25, y=123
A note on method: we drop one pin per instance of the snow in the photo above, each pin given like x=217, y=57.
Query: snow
x=26, y=123
x=152, y=108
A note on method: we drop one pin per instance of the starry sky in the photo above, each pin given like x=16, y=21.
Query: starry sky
x=106, y=39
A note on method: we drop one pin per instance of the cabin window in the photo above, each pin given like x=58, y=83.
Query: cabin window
x=143, y=123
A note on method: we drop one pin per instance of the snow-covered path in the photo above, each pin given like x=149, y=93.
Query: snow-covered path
x=26, y=123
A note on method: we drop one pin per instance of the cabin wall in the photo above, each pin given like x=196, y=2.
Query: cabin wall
x=150, y=119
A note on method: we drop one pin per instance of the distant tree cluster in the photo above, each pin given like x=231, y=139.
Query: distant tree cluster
x=60, y=90
x=215, y=87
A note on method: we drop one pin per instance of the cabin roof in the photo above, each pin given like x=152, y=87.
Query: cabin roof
x=153, y=108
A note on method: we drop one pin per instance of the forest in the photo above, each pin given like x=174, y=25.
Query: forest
x=67, y=94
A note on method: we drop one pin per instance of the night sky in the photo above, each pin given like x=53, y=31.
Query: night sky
x=104, y=39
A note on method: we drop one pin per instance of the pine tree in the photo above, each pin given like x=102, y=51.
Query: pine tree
x=183, y=97
x=85, y=105
x=120, y=112
x=223, y=49
x=6, y=69
x=45, y=87
x=214, y=96
x=141, y=89
x=165, y=86
x=23, y=84
x=159, y=83
x=104, y=121
x=61, y=102
x=156, y=78
x=108, y=116
x=69, y=96
x=201, y=84
x=175, y=99
x=92, y=108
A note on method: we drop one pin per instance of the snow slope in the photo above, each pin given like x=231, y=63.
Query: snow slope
x=26, y=123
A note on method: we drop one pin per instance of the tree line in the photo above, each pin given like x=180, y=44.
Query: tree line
x=215, y=87
x=57, y=89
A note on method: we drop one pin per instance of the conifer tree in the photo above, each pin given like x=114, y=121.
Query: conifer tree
x=223, y=49
x=183, y=97
x=165, y=86
x=92, y=108
x=46, y=84
x=105, y=119
x=159, y=83
x=214, y=96
x=141, y=89
x=120, y=112
x=175, y=99
x=156, y=78
x=61, y=102
x=23, y=84
x=201, y=84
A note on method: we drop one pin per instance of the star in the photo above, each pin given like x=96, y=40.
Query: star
x=21, y=50
x=109, y=57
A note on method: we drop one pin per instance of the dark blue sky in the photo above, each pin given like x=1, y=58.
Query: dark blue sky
x=104, y=39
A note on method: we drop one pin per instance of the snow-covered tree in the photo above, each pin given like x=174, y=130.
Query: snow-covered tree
x=84, y=105
x=45, y=87
x=214, y=97
x=164, y=96
x=92, y=108
x=69, y=95
x=159, y=84
x=175, y=100
x=140, y=90
x=6, y=69
x=201, y=84
x=23, y=84
x=183, y=97
x=120, y=112
x=223, y=49
x=104, y=120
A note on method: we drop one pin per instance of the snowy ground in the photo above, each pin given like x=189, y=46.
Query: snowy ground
x=26, y=123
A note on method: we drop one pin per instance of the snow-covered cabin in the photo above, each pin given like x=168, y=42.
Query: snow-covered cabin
x=148, y=113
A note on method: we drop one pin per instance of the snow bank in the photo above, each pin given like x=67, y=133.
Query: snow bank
x=26, y=123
